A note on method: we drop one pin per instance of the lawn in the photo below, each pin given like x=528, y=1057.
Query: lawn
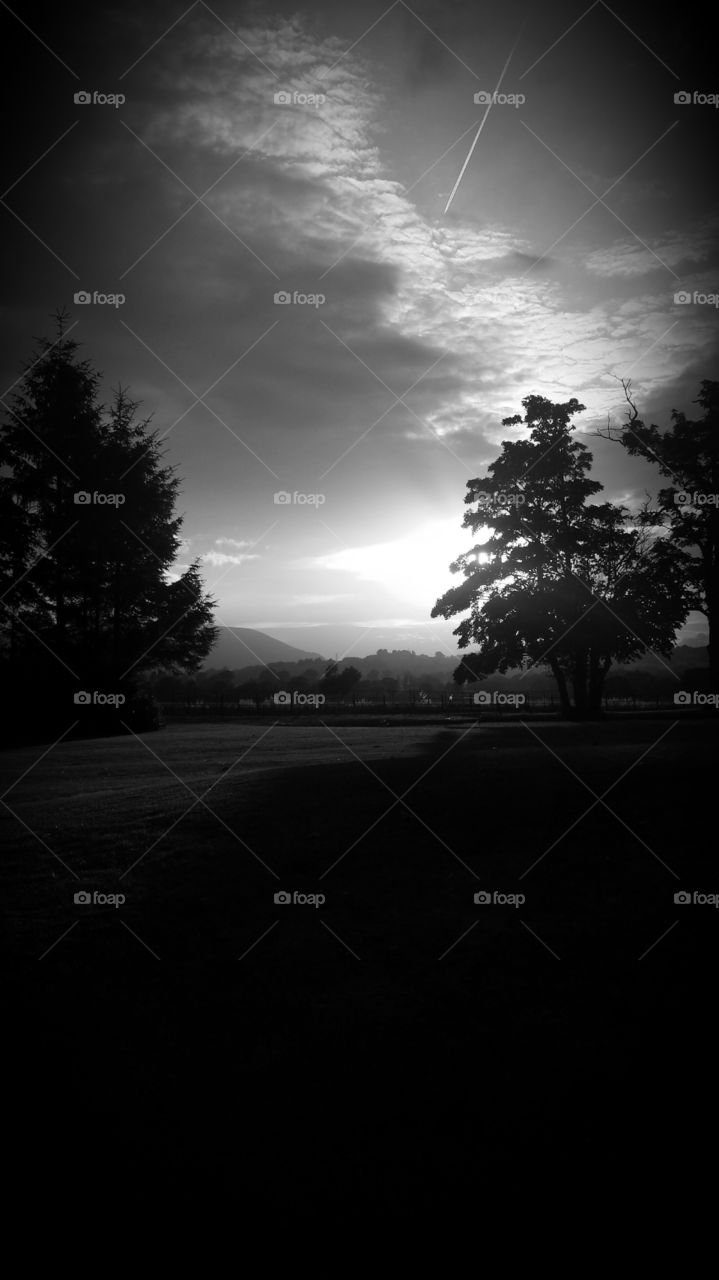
x=397, y=991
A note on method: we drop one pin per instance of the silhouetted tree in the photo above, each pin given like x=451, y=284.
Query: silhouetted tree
x=560, y=580
x=687, y=454
x=89, y=542
x=338, y=684
x=220, y=685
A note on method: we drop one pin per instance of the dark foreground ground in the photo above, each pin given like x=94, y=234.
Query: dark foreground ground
x=399, y=1048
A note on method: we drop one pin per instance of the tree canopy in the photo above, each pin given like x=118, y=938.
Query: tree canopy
x=559, y=579
x=688, y=455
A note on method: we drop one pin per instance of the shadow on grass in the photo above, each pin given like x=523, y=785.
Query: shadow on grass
x=398, y=1004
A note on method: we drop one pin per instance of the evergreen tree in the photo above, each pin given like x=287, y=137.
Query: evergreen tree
x=89, y=538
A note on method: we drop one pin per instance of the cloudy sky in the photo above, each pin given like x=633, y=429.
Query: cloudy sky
x=374, y=394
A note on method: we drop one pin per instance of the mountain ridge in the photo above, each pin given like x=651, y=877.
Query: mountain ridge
x=241, y=649
x=238, y=647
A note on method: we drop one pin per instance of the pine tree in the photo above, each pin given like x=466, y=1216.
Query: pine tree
x=87, y=548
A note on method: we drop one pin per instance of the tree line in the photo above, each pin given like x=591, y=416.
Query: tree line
x=222, y=687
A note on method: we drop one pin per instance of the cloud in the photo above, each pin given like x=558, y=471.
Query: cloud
x=237, y=556
x=217, y=557
x=316, y=599
x=684, y=251
x=174, y=575
x=314, y=194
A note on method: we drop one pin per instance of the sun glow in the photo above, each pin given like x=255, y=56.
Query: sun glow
x=413, y=569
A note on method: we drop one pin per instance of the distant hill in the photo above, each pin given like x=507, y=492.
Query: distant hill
x=238, y=647
x=244, y=650
x=685, y=655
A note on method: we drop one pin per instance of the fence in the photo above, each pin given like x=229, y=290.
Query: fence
x=458, y=704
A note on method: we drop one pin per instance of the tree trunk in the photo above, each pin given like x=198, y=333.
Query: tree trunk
x=580, y=683
x=712, y=614
x=597, y=674
x=564, y=702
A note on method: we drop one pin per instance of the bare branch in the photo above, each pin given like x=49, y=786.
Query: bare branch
x=633, y=413
x=615, y=434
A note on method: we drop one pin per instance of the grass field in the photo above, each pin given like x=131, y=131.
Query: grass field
x=397, y=995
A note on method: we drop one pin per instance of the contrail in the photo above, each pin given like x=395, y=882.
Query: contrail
x=481, y=123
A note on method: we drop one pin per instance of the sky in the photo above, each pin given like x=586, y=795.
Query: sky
x=325, y=441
